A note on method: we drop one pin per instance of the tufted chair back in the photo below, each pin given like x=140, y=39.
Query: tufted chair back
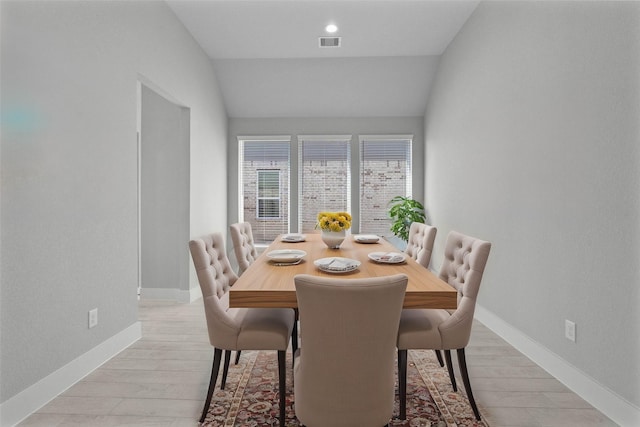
x=215, y=277
x=243, y=244
x=464, y=262
x=420, y=243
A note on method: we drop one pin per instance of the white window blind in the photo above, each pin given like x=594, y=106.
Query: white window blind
x=385, y=172
x=324, y=177
x=264, y=185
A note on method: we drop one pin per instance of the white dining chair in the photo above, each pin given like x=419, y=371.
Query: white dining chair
x=244, y=249
x=464, y=262
x=344, y=370
x=243, y=245
x=420, y=247
x=236, y=328
x=420, y=242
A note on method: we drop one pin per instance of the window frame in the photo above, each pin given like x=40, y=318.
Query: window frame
x=278, y=198
x=319, y=138
x=264, y=235
x=292, y=202
x=408, y=174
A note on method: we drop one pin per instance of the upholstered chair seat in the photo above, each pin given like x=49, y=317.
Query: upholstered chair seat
x=463, y=266
x=236, y=328
x=420, y=328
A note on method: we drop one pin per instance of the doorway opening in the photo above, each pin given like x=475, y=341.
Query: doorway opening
x=163, y=196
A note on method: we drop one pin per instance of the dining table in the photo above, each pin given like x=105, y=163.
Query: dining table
x=270, y=284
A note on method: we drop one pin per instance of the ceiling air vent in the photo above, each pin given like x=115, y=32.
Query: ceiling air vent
x=330, y=41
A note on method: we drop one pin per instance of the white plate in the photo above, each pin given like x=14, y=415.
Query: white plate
x=337, y=264
x=293, y=238
x=366, y=238
x=387, y=257
x=286, y=255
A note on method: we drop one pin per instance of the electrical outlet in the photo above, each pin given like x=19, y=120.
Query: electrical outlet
x=93, y=318
x=570, y=330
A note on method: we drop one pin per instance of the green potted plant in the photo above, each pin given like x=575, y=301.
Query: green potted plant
x=403, y=211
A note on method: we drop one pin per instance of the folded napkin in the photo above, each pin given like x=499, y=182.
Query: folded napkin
x=338, y=265
x=367, y=238
x=392, y=258
x=293, y=237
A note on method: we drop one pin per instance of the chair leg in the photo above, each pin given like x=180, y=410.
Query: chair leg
x=439, y=356
x=294, y=338
x=237, y=356
x=225, y=370
x=282, y=379
x=402, y=382
x=217, y=355
x=294, y=332
x=462, y=362
x=452, y=376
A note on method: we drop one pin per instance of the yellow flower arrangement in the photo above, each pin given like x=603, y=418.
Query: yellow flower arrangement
x=334, y=221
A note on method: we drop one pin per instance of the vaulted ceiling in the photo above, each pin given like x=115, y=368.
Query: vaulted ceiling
x=268, y=62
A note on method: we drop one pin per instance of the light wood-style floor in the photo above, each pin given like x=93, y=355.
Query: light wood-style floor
x=161, y=380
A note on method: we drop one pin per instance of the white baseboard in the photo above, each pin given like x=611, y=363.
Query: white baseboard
x=35, y=397
x=166, y=294
x=620, y=410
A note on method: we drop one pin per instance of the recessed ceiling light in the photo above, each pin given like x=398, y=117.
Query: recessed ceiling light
x=331, y=28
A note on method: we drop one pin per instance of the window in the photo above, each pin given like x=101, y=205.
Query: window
x=268, y=194
x=324, y=177
x=323, y=172
x=385, y=172
x=264, y=185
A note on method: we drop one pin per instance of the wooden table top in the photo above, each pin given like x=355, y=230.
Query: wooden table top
x=264, y=284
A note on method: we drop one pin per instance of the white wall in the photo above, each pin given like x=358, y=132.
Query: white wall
x=69, y=169
x=320, y=87
x=532, y=134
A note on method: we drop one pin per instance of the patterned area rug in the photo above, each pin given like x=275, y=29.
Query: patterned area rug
x=251, y=395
